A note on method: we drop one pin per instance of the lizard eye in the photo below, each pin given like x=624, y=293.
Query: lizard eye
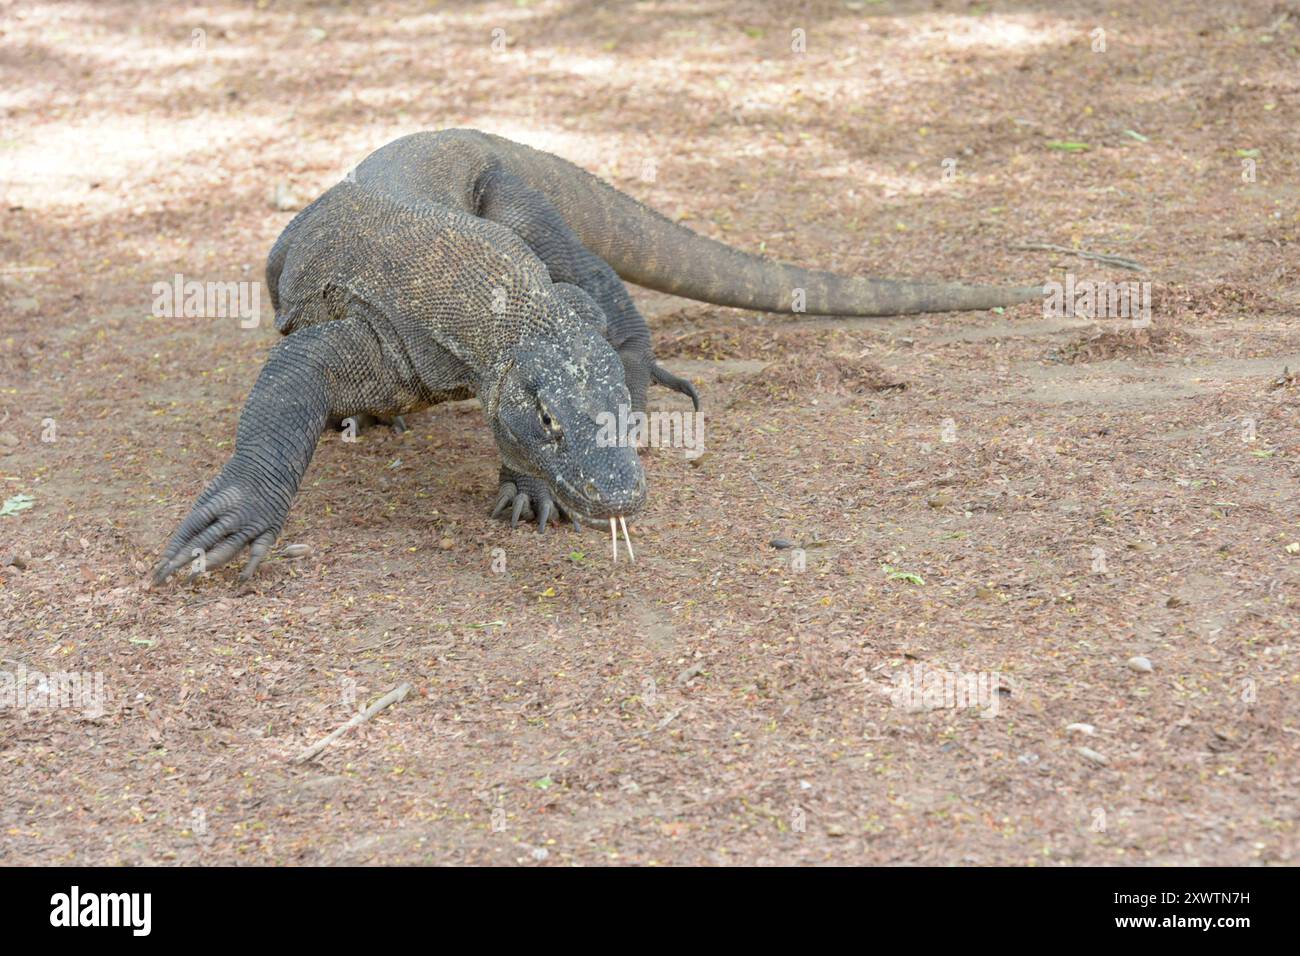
x=548, y=422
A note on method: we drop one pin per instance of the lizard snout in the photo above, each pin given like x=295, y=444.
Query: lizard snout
x=621, y=492
x=616, y=498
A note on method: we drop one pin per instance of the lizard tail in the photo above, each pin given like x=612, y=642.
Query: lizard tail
x=645, y=247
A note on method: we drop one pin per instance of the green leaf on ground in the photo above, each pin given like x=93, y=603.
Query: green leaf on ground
x=16, y=504
x=895, y=575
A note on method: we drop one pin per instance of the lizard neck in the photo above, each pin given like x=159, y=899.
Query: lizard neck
x=514, y=336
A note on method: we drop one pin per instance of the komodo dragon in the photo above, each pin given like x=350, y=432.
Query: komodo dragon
x=458, y=263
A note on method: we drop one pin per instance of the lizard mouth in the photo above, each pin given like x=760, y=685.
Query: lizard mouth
x=595, y=508
x=582, y=506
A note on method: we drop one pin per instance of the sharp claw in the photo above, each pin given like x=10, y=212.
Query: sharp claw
x=226, y=550
x=533, y=497
x=233, y=512
x=508, y=492
x=167, y=568
x=521, y=502
x=260, y=548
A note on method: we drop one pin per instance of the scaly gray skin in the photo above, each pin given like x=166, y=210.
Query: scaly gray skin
x=457, y=264
x=372, y=329
x=590, y=235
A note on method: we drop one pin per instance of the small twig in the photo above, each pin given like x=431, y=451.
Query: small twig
x=377, y=645
x=688, y=335
x=662, y=724
x=1119, y=262
x=392, y=697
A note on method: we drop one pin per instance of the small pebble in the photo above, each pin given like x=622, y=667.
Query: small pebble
x=688, y=674
x=780, y=543
x=297, y=550
x=1141, y=664
x=1087, y=729
x=446, y=544
x=1087, y=753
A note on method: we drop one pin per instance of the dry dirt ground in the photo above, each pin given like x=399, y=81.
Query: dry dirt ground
x=1045, y=499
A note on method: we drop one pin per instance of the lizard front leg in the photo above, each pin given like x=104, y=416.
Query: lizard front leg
x=528, y=497
x=330, y=371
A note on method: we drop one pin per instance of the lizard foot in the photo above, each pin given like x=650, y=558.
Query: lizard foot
x=530, y=498
x=641, y=368
x=241, y=508
x=669, y=380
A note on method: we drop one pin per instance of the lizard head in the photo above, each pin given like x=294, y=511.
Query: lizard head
x=556, y=415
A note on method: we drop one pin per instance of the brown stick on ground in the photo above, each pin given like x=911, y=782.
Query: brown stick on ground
x=392, y=697
x=1118, y=262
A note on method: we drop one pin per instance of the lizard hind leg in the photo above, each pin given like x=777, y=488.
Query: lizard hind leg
x=677, y=384
x=641, y=369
